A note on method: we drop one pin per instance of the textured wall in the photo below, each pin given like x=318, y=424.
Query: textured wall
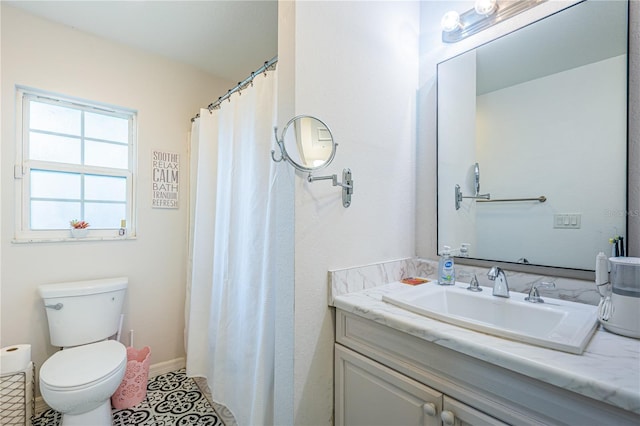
x=50, y=56
x=354, y=67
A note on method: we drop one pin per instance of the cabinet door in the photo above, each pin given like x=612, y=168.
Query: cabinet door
x=455, y=413
x=370, y=394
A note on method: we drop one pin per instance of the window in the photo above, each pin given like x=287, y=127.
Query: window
x=75, y=161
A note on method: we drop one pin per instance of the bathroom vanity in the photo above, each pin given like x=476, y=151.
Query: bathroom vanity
x=396, y=367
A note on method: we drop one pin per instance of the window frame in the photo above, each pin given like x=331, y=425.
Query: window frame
x=24, y=166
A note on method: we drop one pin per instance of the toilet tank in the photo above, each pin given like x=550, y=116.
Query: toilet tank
x=83, y=312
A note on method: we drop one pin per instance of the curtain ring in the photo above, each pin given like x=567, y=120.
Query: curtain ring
x=265, y=68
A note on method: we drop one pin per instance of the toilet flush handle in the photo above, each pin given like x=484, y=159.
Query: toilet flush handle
x=57, y=306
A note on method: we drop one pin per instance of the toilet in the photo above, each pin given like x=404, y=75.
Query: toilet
x=78, y=381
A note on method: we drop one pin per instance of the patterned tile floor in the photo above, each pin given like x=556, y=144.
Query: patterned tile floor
x=172, y=399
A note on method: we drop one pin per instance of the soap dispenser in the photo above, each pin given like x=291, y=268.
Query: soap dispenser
x=446, y=268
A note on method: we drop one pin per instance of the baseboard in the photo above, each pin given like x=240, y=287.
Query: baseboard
x=154, y=370
x=167, y=366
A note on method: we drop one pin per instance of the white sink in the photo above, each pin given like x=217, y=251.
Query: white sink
x=555, y=324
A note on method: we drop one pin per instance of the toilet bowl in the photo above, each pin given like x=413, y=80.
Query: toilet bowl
x=78, y=382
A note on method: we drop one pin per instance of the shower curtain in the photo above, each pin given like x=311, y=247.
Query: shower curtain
x=230, y=311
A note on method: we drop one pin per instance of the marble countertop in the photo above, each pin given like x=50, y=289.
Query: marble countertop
x=608, y=370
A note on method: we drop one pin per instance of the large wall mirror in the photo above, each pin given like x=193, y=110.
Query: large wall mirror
x=538, y=120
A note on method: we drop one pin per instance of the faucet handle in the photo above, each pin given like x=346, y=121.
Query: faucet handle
x=473, y=285
x=534, y=294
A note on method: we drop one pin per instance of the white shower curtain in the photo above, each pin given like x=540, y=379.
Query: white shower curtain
x=230, y=297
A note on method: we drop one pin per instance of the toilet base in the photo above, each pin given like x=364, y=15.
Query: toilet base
x=100, y=416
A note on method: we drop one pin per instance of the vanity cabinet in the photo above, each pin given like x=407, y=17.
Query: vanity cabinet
x=370, y=394
x=385, y=376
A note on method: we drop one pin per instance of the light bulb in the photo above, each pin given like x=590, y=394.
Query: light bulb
x=486, y=7
x=450, y=21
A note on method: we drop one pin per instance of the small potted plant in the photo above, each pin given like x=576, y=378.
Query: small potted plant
x=79, y=228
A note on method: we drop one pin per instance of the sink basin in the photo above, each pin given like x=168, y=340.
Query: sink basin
x=555, y=324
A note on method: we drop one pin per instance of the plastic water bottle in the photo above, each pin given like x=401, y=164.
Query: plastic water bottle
x=446, y=268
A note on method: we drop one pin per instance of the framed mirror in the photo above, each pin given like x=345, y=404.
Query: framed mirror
x=543, y=112
x=307, y=143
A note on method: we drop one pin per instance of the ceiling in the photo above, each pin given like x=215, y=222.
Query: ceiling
x=227, y=38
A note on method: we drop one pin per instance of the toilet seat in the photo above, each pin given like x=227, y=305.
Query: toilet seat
x=83, y=366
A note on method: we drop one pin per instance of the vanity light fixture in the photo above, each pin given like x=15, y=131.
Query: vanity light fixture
x=450, y=21
x=486, y=7
x=486, y=13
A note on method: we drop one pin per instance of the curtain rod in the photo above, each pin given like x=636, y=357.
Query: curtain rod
x=267, y=66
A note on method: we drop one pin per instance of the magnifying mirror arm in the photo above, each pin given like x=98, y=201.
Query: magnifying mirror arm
x=333, y=178
x=346, y=184
x=458, y=196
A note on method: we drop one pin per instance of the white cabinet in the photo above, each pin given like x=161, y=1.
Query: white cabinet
x=387, y=377
x=370, y=394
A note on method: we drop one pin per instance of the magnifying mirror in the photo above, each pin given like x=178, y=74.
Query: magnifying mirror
x=307, y=144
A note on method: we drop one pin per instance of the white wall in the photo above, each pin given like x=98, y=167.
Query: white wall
x=354, y=66
x=284, y=392
x=56, y=58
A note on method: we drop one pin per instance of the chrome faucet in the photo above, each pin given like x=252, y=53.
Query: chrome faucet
x=500, y=286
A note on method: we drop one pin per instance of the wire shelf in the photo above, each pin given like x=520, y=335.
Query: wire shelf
x=17, y=402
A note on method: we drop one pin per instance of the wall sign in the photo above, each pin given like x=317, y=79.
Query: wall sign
x=165, y=176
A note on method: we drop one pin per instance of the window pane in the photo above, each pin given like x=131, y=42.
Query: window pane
x=54, y=148
x=53, y=118
x=106, y=127
x=105, y=215
x=46, y=184
x=79, y=165
x=106, y=155
x=105, y=188
x=53, y=214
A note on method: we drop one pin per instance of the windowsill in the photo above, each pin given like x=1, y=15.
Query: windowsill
x=70, y=240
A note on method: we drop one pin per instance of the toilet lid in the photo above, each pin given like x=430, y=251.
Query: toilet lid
x=83, y=364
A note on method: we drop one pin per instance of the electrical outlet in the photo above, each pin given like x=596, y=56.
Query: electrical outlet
x=567, y=220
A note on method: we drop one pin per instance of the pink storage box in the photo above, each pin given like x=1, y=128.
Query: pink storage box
x=133, y=388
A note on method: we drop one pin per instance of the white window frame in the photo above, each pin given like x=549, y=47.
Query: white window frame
x=23, y=167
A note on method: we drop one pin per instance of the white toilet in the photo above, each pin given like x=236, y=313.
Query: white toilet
x=79, y=380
